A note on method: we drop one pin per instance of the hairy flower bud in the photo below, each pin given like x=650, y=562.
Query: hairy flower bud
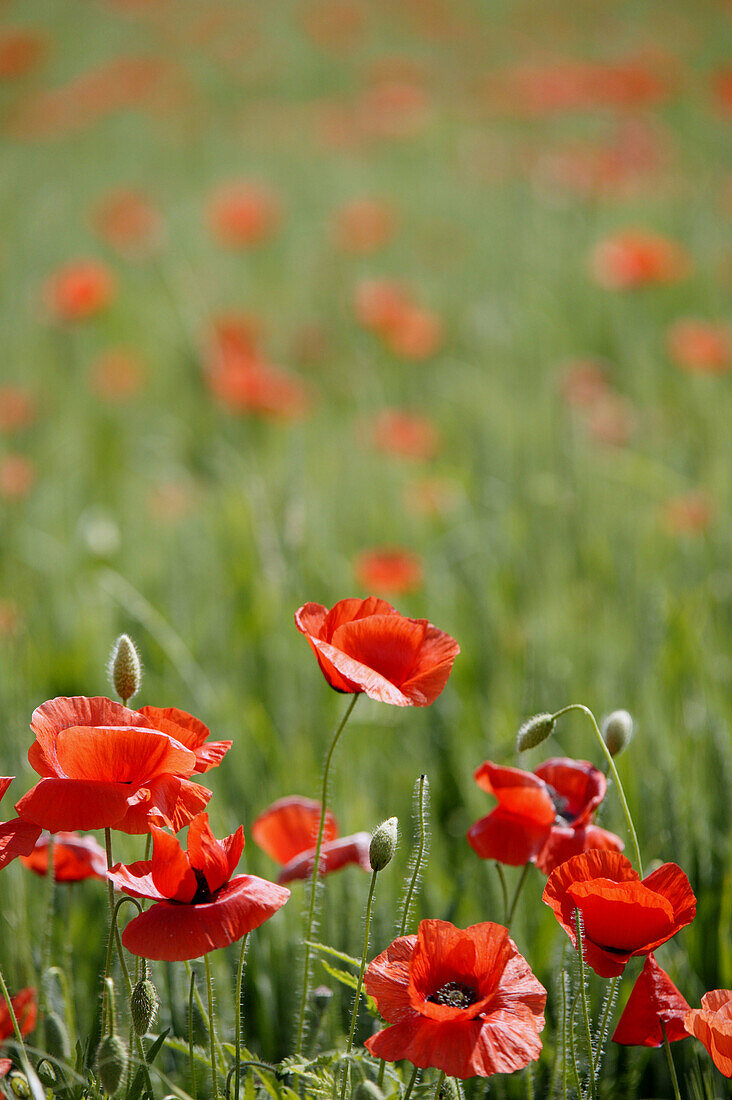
x=534, y=731
x=322, y=996
x=617, y=731
x=111, y=1062
x=143, y=1006
x=383, y=844
x=125, y=670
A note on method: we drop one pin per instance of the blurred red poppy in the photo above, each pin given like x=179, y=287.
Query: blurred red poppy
x=363, y=226
x=712, y=1025
x=127, y=221
x=416, y=334
x=722, y=84
x=17, y=408
x=367, y=646
x=653, y=1000
x=388, y=308
x=379, y=303
x=634, y=258
x=389, y=570
x=393, y=108
x=405, y=434
x=622, y=916
x=75, y=857
x=199, y=905
x=584, y=383
x=700, y=346
x=544, y=816
x=79, y=290
x=690, y=514
x=287, y=831
x=570, y=85
x=17, y=837
x=17, y=476
x=243, y=214
x=463, y=1001
x=116, y=375
x=104, y=765
x=335, y=25
x=243, y=381
x=25, y=1007
x=20, y=51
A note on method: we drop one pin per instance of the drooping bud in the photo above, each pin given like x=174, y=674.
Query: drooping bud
x=617, y=731
x=383, y=844
x=19, y=1086
x=57, y=1037
x=125, y=670
x=534, y=731
x=111, y=1062
x=144, y=1006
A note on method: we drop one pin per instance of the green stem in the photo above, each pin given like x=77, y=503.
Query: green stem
x=237, y=1019
x=419, y=857
x=48, y=924
x=359, y=983
x=564, y=1035
x=440, y=1083
x=573, y=1049
x=14, y=1021
x=669, y=1059
x=412, y=1083
x=613, y=771
x=191, y=1060
x=504, y=891
x=585, y=1009
x=314, y=879
x=519, y=888
x=211, y=1029
x=202, y=1010
x=602, y=1033
x=529, y=1077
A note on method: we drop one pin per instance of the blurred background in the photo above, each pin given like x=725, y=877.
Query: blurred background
x=428, y=300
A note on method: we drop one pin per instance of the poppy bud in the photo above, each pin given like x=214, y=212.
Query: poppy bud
x=534, y=731
x=19, y=1085
x=322, y=997
x=111, y=1062
x=143, y=1006
x=125, y=670
x=57, y=1037
x=383, y=844
x=617, y=731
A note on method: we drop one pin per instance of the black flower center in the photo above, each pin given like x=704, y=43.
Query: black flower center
x=203, y=892
x=454, y=995
x=561, y=810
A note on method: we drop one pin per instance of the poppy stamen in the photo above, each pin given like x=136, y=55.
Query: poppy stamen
x=560, y=803
x=203, y=892
x=454, y=995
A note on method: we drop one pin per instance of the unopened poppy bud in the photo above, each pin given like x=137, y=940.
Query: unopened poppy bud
x=144, y=1006
x=322, y=996
x=534, y=731
x=367, y=1090
x=57, y=1037
x=19, y=1085
x=383, y=844
x=125, y=670
x=617, y=731
x=111, y=1062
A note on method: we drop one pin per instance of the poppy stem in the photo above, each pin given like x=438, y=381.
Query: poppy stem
x=585, y=1010
x=211, y=1029
x=359, y=983
x=504, y=891
x=519, y=888
x=191, y=1060
x=412, y=1083
x=48, y=924
x=314, y=879
x=422, y=797
x=440, y=1083
x=669, y=1059
x=16, y=1028
x=613, y=771
x=237, y=1019
x=602, y=1031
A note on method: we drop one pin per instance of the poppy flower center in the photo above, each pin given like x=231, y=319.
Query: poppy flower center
x=454, y=995
x=203, y=893
x=561, y=807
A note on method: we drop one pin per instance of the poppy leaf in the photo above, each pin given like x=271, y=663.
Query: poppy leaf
x=351, y=981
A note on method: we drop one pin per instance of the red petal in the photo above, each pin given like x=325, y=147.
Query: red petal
x=75, y=857
x=176, y=932
x=622, y=916
x=64, y=804
x=564, y=841
x=580, y=783
x=25, y=1008
x=190, y=732
x=207, y=854
x=434, y=665
x=333, y=855
x=654, y=998
x=5, y=1066
x=167, y=801
x=172, y=874
x=671, y=882
x=17, y=838
x=476, y=957
x=5, y=782
x=507, y=838
x=387, y=980
x=712, y=1025
x=388, y=645
x=136, y=879
x=289, y=827
x=210, y=755
x=518, y=792
x=59, y=714
x=130, y=755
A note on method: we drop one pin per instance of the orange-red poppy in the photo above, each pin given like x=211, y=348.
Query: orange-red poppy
x=379, y=303
x=544, y=816
x=333, y=24
x=634, y=258
x=20, y=51
x=17, y=837
x=405, y=434
x=388, y=308
x=463, y=1001
x=622, y=916
x=243, y=214
x=712, y=1025
x=17, y=408
x=116, y=375
x=199, y=905
x=17, y=476
x=25, y=1007
x=654, y=1000
x=243, y=381
x=287, y=832
x=367, y=646
x=722, y=84
x=188, y=731
x=417, y=334
x=701, y=347
x=363, y=226
x=127, y=221
x=79, y=290
x=103, y=765
x=389, y=570
x=75, y=857
x=570, y=85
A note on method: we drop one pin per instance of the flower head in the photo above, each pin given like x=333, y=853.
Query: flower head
x=638, y=258
x=712, y=1025
x=287, y=830
x=389, y=570
x=622, y=916
x=79, y=290
x=655, y=1000
x=367, y=646
x=465, y=1002
x=199, y=905
x=75, y=857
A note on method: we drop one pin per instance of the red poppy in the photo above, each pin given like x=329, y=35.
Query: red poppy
x=366, y=645
x=75, y=857
x=240, y=377
x=635, y=258
x=79, y=290
x=17, y=476
x=287, y=831
x=712, y=1025
x=405, y=434
x=379, y=303
x=465, y=1002
x=700, y=346
x=364, y=226
x=393, y=571
x=200, y=906
x=188, y=731
x=116, y=375
x=25, y=1008
x=544, y=816
x=584, y=383
x=654, y=1000
x=16, y=837
x=104, y=765
x=126, y=220
x=569, y=85
x=417, y=334
x=622, y=916
x=20, y=51
x=722, y=83
x=243, y=214
x=17, y=408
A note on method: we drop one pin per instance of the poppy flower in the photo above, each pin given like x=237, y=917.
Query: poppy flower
x=393, y=571
x=366, y=645
x=287, y=830
x=622, y=916
x=103, y=765
x=463, y=1001
x=20, y=51
x=544, y=816
x=17, y=837
x=79, y=290
x=188, y=731
x=199, y=905
x=127, y=221
x=654, y=1000
x=17, y=408
x=417, y=334
x=364, y=226
x=636, y=258
x=379, y=303
x=75, y=857
x=700, y=346
x=25, y=1007
x=243, y=381
x=116, y=375
x=712, y=1025
x=243, y=214
x=405, y=434
x=17, y=476
x=689, y=514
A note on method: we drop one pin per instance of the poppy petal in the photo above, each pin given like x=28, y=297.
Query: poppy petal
x=712, y=1026
x=5, y=782
x=172, y=873
x=67, y=804
x=564, y=842
x=334, y=854
x=131, y=755
x=654, y=998
x=507, y=838
x=387, y=980
x=671, y=882
x=75, y=857
x=289, y=827
x=178, y=724
x=433, y=668
x=168, y=802
x=17, y=838
x=207, y=854
x=580, y=785
x=63, y=712
x=518, y=792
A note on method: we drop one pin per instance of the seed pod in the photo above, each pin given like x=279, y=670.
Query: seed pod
x=111, y=1062
x=617, y=731
x=383, y=844
x=125, y=670
x=534, y=731
x=144, y=1006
